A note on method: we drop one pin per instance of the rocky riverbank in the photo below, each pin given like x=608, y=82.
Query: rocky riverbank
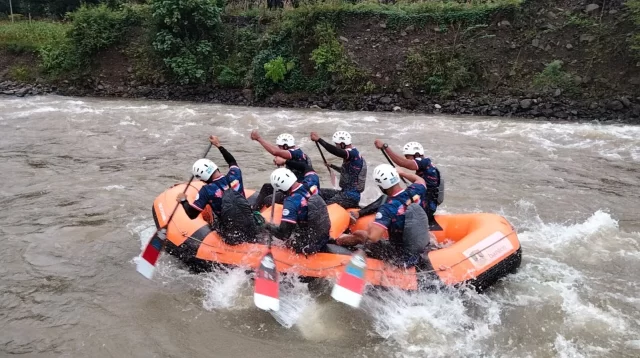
x=539, y=107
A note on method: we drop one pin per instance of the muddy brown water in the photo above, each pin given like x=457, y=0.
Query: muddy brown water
x=79, y=177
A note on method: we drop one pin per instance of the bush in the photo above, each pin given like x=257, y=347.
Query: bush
x=331, y=60
x=58, y=57
x=229, y=78
x=185, y=38
x=21, y=74
x=554, y=77
x=96, y=28
x=441, y=71
x=634, y=8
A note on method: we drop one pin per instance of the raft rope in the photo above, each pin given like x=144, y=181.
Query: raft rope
x=421, y=272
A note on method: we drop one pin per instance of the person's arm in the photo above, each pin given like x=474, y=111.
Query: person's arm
x=414, y=178
x=215, y=141
x=288, y=221
x=297, y=165
x=228, y=157
x=193, y=210
x=333, y=149
x=396, y=158
x=282, y=231
x=271, y=148
x=373, y=234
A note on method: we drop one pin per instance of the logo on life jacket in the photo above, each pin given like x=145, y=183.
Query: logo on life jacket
x=235, y=185
x=285, y=212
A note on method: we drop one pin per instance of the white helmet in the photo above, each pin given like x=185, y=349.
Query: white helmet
x=282, y=179
x=412, y=148
x=386, y=176
x=203, y=169
x=286, y=139
x=342, y=137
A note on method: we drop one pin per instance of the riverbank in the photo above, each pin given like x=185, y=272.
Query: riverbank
x=542, y=108
x=564, y=60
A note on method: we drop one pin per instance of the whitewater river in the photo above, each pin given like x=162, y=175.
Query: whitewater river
x=78, y=178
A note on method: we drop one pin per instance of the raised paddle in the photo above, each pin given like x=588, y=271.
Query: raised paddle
x=333, y=175
x=146, y=264
x=350, y=284
x=393, y=165
x=266, y=294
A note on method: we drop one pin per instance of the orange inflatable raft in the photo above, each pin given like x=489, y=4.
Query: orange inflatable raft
x=477, y=249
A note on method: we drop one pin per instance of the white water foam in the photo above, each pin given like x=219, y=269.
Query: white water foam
x=452, y=322
x=114, y=187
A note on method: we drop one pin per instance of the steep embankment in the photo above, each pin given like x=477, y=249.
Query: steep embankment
x=565, y=59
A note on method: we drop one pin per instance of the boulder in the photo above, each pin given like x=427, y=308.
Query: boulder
x=526, y=103
x=615, y=105
x=591, y=8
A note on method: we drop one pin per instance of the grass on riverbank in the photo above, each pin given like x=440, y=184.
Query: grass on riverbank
x=30, y=36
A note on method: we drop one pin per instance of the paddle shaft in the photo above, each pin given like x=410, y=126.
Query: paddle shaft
x=273, y=205
x=185, y=191
x=333, y=180
x=393, y=165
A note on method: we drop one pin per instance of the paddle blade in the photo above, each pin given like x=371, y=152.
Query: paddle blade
x=266, y=296
x=333, y=178
x=350, y=285
x=146, y=263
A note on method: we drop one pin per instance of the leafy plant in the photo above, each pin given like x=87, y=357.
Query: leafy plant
x=276, y=69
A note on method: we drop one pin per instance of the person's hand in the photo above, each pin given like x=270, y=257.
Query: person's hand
x=361, y=234
x=214, y=141
x=379, y=143
x=353, y=216
x=181, y=197
x=314, y=136
x=255, y=135
x=279, y=161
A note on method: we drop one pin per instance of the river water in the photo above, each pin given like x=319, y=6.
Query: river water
x=78, y=177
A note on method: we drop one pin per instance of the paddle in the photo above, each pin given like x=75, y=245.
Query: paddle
x=350, y=284
x=393, y=165
x=266, y=296
x=146, y=265
x=333, y=175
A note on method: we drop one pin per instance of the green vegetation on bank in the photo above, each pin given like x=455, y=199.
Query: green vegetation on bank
x=236, y=44
x=634, y=7
x=293, y=49
x=24, y=36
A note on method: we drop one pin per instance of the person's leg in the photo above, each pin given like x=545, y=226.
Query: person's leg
x=431, y=209
x=326, y=194
x=341, y=198
x=265, y=191
x=279, y=199
x=373, y=207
